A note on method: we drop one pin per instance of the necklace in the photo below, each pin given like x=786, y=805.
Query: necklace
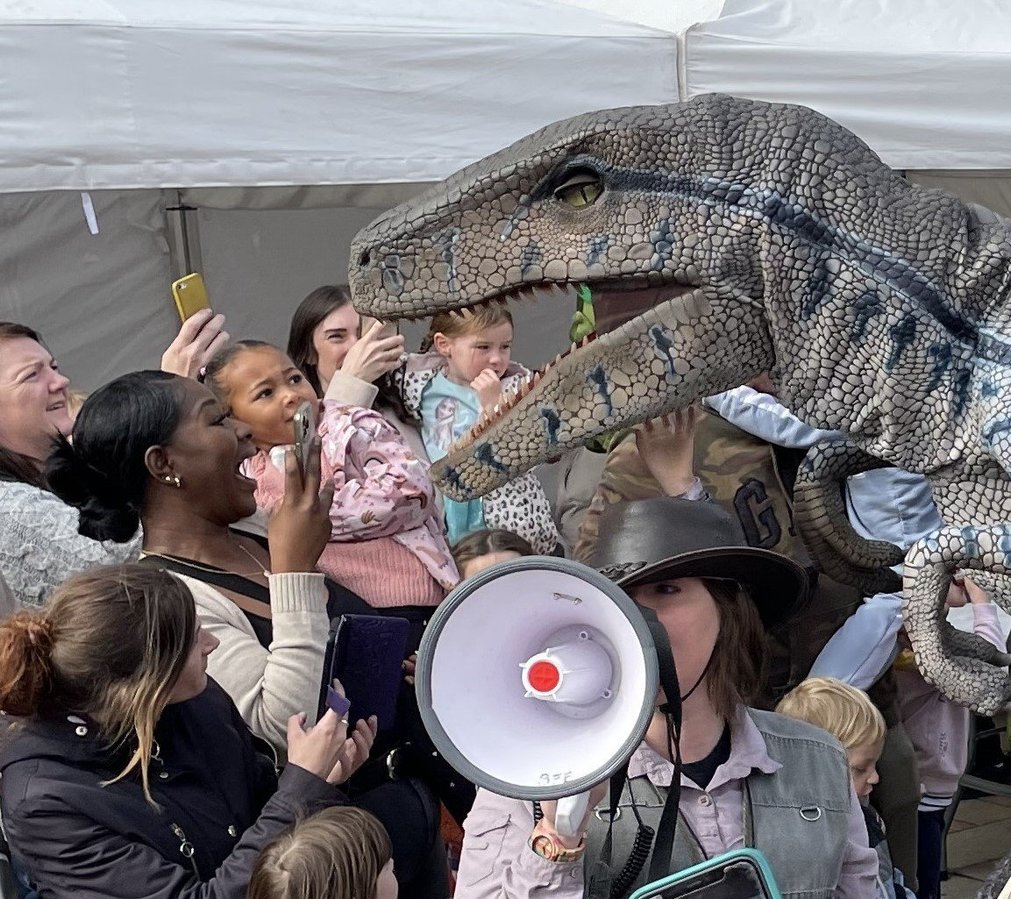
x=260, y=570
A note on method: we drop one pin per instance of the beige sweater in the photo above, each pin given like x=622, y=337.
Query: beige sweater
x=268, y=686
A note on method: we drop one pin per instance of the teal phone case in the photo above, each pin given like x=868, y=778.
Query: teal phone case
x=747, y=875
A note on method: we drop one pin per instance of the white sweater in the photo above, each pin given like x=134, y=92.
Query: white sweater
x=268, y=686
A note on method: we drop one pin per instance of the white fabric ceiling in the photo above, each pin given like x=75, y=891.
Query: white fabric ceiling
x=147, y=93
x=924, y=82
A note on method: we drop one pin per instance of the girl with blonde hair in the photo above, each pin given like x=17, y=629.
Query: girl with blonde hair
x=464, y=372
x=339, y=853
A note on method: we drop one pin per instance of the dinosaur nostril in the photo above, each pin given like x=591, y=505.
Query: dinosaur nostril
x=364, y=258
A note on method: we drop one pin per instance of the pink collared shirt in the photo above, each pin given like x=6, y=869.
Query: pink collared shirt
x=497, y=861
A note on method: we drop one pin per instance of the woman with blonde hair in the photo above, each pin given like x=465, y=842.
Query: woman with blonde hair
x=127, y=772
x=339, y=853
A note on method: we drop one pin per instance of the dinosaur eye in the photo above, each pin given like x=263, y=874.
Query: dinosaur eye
x=580, y=189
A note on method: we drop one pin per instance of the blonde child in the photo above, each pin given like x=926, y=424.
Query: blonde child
x=487, y=547
x=339, y=853
x=466, y=371
x=848, y=714
x=386, y=541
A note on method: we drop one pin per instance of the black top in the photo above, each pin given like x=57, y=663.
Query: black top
x=702, y=771
x=340, y=600
x=79, y=836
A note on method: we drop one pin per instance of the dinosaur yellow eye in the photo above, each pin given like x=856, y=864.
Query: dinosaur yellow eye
x=580, y=190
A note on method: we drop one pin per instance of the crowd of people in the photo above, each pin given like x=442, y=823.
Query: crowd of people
x=170, y=571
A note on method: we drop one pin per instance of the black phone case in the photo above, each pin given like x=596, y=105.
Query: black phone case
x=366, y=654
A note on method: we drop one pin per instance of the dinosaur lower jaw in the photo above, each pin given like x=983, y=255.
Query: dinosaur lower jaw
x=615, y=307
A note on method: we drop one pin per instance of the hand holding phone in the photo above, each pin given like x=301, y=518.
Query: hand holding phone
x=190, y=295
x=199, y=338
x=304, y=425
x=300, y=527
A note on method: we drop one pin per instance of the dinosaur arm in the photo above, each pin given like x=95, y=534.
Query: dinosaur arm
x=964, y=667
x=820, y=513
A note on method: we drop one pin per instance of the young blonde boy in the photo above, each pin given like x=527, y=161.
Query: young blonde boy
x=848, y=714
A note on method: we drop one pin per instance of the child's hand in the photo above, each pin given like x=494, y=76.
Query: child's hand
x=977, y=595
x=488, y=388
x=374, y=354
x=957, y=595
x=667, y=448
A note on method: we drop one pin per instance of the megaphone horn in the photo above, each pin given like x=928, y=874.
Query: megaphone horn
x=537, y=678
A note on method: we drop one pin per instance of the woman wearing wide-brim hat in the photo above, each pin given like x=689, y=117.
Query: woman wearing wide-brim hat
x=749, y=778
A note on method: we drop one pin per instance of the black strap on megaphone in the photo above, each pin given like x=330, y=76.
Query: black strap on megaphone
x=602, y=885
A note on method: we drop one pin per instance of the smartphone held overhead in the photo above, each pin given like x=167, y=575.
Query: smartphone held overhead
x=190, y=295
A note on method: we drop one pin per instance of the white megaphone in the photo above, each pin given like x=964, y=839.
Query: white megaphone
x=537, y=679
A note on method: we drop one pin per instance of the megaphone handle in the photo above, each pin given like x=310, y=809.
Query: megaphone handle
x=569, y=814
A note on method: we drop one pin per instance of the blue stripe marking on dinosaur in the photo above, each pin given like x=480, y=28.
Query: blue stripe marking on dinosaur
x=992, y=348
x=486, y=455
x=598, y=378
x=994, y=428
x=552, y=422
x=970, y=541
x=903, y=333
x=663, y=345
x=868, y=305
x=771, y=207
x=941, y=354
x=596, y=247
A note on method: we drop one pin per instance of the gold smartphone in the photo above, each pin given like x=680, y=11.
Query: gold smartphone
x=190, y=294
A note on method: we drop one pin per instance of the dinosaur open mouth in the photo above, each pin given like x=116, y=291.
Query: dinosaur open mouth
x=613, y=307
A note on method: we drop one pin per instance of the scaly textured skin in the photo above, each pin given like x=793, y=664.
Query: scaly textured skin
x=745, y=236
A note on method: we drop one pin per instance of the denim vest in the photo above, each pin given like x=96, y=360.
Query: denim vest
x=798, y=817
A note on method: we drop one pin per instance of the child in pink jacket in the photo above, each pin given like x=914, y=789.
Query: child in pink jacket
x=386, y=543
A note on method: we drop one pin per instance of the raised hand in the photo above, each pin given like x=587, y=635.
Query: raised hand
x=354, y=752
x=667, y=448
x=317, y=749
x=374, y=354
x=199, y=338
x=300, y=526
x=488, y=388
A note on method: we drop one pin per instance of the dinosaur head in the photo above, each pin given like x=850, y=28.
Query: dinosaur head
x=663, y=213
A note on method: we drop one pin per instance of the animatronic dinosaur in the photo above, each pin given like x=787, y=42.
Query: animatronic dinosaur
x=718, y=239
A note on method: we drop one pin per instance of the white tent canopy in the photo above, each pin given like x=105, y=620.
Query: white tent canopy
x=149, y=93
x=924, y=82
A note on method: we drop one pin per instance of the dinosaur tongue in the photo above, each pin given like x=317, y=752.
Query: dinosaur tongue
x=612, y=308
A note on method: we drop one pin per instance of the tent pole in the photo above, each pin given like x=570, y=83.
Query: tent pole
x=183, y=236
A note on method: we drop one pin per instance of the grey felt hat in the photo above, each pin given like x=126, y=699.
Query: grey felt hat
x=664, y=538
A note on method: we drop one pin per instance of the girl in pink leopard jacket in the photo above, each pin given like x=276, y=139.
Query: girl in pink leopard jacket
x=387, y=543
